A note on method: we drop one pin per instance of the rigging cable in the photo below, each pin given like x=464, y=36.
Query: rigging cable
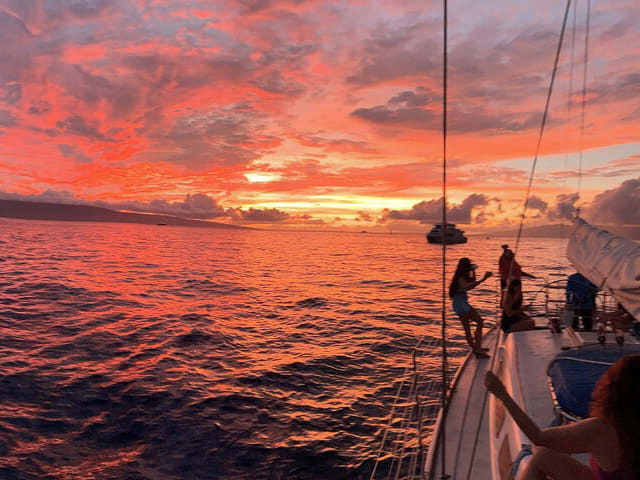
x=584, y=96
x=570, y=131
x=524, y=210
x=444, y=242
x=541, y=133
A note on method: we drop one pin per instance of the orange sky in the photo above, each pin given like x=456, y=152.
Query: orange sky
x=316, y=114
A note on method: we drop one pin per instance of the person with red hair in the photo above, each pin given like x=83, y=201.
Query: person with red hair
x=611, y=434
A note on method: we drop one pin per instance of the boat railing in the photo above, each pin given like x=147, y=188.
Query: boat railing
x=549, y=301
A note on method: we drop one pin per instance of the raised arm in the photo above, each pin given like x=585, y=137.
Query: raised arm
x=590, y=435
x=466, y=286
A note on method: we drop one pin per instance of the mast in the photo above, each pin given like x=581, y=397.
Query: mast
x=444, y=244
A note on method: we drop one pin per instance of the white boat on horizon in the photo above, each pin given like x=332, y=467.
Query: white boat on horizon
x=448, y=231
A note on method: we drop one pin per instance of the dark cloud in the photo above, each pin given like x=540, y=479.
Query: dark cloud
x=365, y=217
x=468, y=120
x=396, y=51
x=12, y=93
x=69, y=151
x=275, y=82
x=7, y=119
x=411, y=117
x=536, y=203
x=430, y=211
x=619, y=205
x=228, y=136
x=261, y=215
x=333, y=144
x=419, y=98
x=47, y=196
x=198, y=205
x=255, y=6
x=76, y=125
x=564, y=208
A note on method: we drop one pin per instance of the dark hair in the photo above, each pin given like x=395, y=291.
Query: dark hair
x=616, y=399
x=463, y=270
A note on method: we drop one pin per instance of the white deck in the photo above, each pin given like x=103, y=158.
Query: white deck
x=462, y=423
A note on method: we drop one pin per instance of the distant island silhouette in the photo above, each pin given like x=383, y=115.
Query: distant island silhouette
x=558, y=230
x=85, y=213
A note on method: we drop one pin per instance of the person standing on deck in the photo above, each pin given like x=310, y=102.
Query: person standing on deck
x=464, y=280
x=611, y=435
x=581, y=297
x=506, y=270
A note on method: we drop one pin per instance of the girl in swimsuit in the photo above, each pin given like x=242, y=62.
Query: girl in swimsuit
x=611, y=434
x=514, y=318
x=464, y=280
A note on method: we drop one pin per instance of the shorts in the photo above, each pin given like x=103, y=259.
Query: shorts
x=460, y=304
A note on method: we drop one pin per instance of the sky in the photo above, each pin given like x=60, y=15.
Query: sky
x=320, y=114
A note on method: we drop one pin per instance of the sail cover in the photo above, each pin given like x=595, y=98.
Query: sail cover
x=608, y=261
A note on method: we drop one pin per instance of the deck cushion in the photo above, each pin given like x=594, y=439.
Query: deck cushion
x=574, y=374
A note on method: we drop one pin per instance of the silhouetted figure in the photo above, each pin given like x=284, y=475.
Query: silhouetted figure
x=464, y=280
x=504, y=264
x=514, y=318
x=611, y=435
x=581, y=297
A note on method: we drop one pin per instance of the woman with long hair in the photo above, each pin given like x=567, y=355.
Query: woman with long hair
x=611, y=434
x=464, y=279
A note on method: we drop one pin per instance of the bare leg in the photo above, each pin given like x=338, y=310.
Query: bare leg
x=547, y=463
x=467, y=329
x=479, y=323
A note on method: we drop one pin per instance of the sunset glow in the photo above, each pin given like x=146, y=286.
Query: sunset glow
x=317, y=114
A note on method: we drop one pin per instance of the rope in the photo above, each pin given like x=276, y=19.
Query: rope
x=584, y=95
x=444, y=240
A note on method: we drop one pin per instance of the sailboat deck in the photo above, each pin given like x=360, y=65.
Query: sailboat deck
x=463, y=422
x=524, y=358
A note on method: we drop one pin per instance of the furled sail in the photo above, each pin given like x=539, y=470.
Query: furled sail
x=608, y=261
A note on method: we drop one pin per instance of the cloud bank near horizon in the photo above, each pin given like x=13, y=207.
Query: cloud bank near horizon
x=616, y=206
x=273, y=103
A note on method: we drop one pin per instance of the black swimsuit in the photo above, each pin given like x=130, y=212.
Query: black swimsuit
x=507, y=322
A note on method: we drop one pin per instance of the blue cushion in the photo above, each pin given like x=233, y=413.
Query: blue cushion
x=574, y=374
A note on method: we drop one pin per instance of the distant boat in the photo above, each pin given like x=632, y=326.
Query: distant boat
x=452, y=234
x=162, y=224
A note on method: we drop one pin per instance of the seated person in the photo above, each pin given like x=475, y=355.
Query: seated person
x=611, y=435
x=514, y=318
x=581, y=296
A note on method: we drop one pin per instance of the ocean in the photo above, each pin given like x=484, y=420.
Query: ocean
x=153, y=352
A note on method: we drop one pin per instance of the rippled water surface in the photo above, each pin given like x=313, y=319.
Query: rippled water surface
x=143, y=352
